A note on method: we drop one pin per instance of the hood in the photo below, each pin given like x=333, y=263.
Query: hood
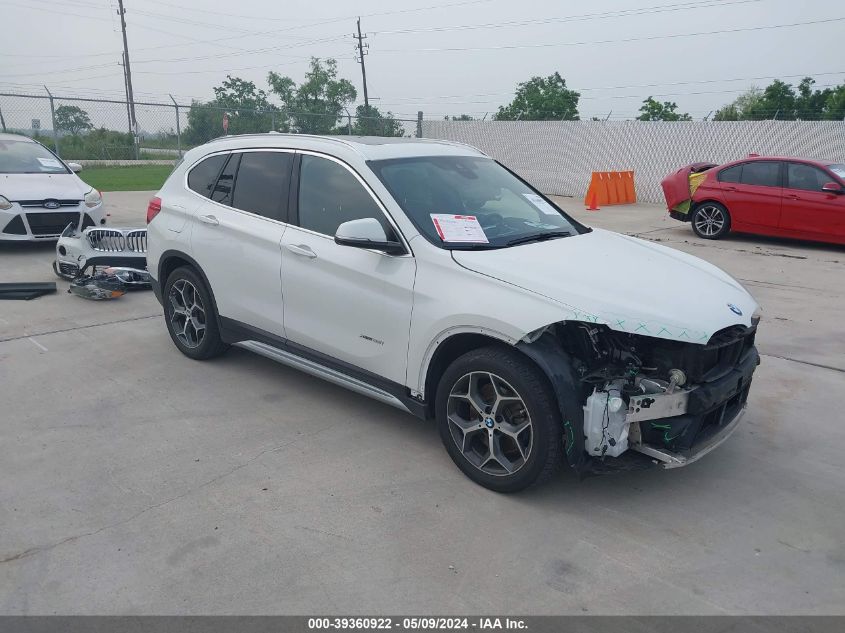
x=628, y=284
x=42, y=186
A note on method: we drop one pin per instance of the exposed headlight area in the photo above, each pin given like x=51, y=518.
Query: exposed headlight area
x=93, y=198
x=670, y=400
x=5, y=204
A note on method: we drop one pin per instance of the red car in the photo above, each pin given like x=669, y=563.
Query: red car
x=782, y=197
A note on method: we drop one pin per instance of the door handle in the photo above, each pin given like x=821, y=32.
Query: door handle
x=730, y=188
x=209, y=219
x=792, y=198
x=302, y=250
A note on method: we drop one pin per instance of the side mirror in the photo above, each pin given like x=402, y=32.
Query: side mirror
x=74, y=167
x=832, y=187
x=366, y=233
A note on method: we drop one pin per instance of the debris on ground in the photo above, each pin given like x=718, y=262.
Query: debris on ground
x=110, y=283
x=25, y=291
x=93, y=247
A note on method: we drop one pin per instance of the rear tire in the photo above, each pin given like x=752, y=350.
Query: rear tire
x=711, y=221
x=495, y=396
x=190, y=315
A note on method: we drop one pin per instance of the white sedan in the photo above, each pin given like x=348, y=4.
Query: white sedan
x=40, y=195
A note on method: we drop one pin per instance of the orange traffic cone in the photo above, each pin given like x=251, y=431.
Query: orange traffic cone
x=592, y=197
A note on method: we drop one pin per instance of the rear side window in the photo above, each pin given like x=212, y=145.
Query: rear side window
x=805, y=177
x=203, y=176
x=226, y=181
x=761, y=173
x=330, y=195
x=731, y=174
x=263, y=183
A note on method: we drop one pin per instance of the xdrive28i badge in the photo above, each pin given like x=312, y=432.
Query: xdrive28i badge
x=735, y=309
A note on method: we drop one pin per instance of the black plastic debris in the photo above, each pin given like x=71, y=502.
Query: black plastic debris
x=98, y=287
x=25, y=291
x=110, y=283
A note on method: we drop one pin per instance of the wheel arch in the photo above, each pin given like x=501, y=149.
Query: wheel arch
x=545, y=352
x=171, y=260
x=708, y=200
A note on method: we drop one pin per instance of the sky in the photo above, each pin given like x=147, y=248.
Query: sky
x=438, y=56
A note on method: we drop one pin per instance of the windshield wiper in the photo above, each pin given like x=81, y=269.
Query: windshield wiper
x=474, y=246
x=539, y=237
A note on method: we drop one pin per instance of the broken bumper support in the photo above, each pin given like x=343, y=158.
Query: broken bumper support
x=709, y=414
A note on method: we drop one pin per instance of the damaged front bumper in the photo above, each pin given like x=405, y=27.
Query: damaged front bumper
x=706, y=416
x=77, y=251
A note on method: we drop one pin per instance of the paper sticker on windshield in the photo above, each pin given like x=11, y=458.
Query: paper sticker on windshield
x=459, y=228
x=541, y=204
x=50, y=162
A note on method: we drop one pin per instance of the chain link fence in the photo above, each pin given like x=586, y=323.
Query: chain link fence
x=101, y=129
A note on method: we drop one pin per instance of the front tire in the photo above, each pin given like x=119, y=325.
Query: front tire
x=190, y=315
x=711, y=221
x=499, y=420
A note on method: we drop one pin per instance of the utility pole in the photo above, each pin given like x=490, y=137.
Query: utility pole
x=361, y=52
x=126, y=89
x=132, y=120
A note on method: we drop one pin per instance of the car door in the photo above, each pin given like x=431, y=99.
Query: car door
x=753, y=193
x=807, y=209
x=351, y=304
x=237, y=234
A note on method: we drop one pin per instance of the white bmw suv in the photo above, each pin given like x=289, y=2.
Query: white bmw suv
x=428, y=276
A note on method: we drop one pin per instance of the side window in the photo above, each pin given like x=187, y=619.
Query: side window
x=263, y=184
x=806, y=177
x=731, y=174
x=203, y=176
x=761, y=173
x=225, y=183
x=330, y=195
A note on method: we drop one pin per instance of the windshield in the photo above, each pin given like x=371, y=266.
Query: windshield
x=839, y=170
x=26, y=157
x=470, y=202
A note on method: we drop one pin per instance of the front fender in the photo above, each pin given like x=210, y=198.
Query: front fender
x=557, y=365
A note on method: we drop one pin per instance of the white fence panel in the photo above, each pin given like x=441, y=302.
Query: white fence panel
x=558, y=157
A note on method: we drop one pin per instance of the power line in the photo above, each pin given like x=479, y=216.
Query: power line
x=683, y=6
x=626, y=40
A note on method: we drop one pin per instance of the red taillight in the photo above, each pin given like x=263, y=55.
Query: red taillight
x=153, y=209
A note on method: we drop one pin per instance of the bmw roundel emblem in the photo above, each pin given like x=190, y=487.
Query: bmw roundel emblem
x=735, y=310
x=52, y=204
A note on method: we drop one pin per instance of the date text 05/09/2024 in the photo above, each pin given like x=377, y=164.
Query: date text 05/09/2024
x=417, y=623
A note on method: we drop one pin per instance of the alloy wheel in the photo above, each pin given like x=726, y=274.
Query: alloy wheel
x=710, y=220
x=187, y=313
x=490, y=424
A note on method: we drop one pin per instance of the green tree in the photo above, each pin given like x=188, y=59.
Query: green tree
x=542, y=99
x=810, y=104
x=741, y=107
x=247, y=106
x=317, y=104
x=369, y=121
x=834, y=107
x=653, y=110
x=73, y=119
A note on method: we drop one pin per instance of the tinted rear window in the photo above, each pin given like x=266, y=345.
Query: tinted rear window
x=263, y=183
x=203, y=176
x=761, y=173
x=226, y=181
x=731, y=174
